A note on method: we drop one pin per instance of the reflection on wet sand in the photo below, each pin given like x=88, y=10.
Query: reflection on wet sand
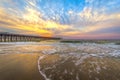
x=19, y=67
x=57, y=61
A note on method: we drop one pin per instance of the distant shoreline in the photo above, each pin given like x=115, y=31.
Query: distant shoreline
x=92, y=41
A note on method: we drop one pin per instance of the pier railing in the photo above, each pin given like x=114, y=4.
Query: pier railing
x=7, y=37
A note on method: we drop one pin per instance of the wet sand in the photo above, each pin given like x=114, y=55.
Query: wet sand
x=19, y=67
x=59, y=62
x=55, y=67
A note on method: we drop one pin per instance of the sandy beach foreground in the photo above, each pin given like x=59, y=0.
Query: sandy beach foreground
x=19, y=67
x=59, y=61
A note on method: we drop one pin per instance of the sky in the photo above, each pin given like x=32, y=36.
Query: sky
x=68, y=19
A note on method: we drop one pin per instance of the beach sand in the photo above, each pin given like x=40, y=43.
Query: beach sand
x=53, y=67
x=19, y=67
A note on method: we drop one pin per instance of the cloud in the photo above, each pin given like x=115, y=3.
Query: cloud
x=30, y=22
x=90, y=20
x=89, y=1
x=51, y=18
x=115, y=29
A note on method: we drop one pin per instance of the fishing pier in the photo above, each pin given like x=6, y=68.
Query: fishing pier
x=9, y=37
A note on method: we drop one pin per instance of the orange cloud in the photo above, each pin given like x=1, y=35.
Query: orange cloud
x=31, y=22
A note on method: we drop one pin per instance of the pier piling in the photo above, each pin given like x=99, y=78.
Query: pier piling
x=7, y=37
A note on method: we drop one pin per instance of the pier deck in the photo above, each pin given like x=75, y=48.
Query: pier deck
x=9, y=37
